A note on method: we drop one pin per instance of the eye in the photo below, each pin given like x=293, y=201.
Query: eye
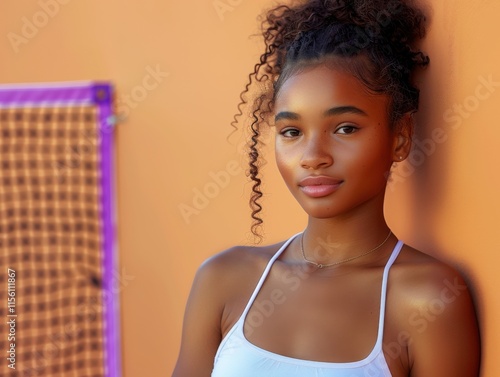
x=290, y=132
x=346, y=130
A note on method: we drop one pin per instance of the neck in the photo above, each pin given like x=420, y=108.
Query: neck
x=345, y=236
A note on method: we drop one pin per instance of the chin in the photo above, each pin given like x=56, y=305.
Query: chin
x=324, y=211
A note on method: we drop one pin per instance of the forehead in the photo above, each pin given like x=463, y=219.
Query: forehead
x=319, y=88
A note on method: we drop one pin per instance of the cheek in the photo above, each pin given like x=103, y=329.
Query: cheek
x=284, y=162
x=373, y=158
x=281, y=161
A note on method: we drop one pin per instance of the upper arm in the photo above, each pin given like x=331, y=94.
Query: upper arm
x=201, y=333
x=444, y=338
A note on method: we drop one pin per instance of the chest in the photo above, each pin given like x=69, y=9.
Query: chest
x=318, y=317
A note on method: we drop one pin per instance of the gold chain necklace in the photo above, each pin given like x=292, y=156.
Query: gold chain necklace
x=321, y=265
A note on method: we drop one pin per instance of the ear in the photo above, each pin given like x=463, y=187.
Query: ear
x=403, y=132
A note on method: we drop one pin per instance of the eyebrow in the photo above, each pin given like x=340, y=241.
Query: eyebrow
x=289, y=115
x=343, y=110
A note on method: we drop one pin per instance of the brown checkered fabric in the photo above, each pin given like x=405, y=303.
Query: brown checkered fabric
x=50, y=235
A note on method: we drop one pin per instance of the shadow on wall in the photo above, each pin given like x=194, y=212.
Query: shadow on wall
x=426, y=172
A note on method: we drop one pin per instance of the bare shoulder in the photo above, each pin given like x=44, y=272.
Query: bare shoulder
x=238, y=258
x=218, y=287
x=420, y=277
x=433, y=307
x=230, y=270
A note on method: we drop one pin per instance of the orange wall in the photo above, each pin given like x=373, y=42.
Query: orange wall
x=173, y=144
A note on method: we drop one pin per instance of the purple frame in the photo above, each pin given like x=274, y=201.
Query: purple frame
x=99, y=94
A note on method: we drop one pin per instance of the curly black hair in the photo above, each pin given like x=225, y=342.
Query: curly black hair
x=374, y=40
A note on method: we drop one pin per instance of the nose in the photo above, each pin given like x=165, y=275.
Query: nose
x=317, y=153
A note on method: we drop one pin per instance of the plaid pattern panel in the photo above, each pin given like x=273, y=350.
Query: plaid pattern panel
x=50, y=236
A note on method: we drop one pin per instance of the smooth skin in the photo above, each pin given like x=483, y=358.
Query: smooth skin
x=328, y=124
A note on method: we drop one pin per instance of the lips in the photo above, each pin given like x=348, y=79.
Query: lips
x=319, y=186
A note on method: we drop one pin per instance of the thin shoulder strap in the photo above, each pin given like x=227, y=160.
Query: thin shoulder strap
x=383, y=295
x=265, y=273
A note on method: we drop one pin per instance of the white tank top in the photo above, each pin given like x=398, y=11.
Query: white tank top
x=237, y=357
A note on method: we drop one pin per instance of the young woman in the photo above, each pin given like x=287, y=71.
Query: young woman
x=345, y=297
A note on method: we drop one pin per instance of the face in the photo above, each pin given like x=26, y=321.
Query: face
x=334, y=146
